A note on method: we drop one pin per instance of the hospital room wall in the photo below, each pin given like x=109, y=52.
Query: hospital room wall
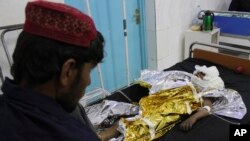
x=167, y=20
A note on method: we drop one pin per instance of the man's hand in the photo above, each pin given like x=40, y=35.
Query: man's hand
x=110, y=132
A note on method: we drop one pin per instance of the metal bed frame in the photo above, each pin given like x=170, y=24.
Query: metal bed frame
x=6, y=29
x=232, y=62
x=191, y=48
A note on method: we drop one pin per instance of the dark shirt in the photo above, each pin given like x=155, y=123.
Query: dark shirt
x=26, y=115
x=240, y=5
x=80, y=114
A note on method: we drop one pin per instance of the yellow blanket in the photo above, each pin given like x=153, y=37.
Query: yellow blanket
x=160, y=112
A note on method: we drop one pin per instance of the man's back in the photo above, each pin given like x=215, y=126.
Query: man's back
x=27, y=116
x=54, y=55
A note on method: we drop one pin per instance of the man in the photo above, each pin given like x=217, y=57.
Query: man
x=53, y=58
x=240, y=5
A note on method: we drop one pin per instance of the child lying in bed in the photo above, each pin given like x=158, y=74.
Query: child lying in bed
x=206, y=79
x=164, y=108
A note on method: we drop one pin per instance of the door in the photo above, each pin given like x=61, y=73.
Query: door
x=122, y=26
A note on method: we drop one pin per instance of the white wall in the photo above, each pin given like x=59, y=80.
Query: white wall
x=173, y=18
x=11, y=12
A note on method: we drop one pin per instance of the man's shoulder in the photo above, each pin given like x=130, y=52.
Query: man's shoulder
x=1, y=99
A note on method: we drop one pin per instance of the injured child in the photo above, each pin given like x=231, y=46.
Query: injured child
x=206, y=79
x=174, y=94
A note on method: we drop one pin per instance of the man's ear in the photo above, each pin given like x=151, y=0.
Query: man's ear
x=68, y=72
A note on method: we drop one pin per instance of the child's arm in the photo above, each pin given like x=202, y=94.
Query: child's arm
x=201, y=112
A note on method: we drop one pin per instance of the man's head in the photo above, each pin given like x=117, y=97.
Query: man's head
x=56, y=51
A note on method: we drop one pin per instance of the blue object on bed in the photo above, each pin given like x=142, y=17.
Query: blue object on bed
x=233, y=25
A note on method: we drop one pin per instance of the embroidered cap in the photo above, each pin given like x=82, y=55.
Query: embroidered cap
x=60, y=22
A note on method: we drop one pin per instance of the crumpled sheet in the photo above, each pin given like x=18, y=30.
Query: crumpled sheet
x=162, y=80
x=229, y=102
x=108, y=111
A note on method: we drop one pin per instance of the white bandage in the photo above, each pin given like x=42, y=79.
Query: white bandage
x=207, y=108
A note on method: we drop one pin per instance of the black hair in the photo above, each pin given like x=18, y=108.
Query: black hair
x=38, y=59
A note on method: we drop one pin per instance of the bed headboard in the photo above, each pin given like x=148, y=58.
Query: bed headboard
x=237, y=64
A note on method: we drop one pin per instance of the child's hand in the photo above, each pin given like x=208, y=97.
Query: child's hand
x=188, y=123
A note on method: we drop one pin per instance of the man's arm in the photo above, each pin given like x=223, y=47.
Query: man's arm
x=109, y=133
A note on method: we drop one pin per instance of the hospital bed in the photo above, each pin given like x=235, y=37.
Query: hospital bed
x=211, y=128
